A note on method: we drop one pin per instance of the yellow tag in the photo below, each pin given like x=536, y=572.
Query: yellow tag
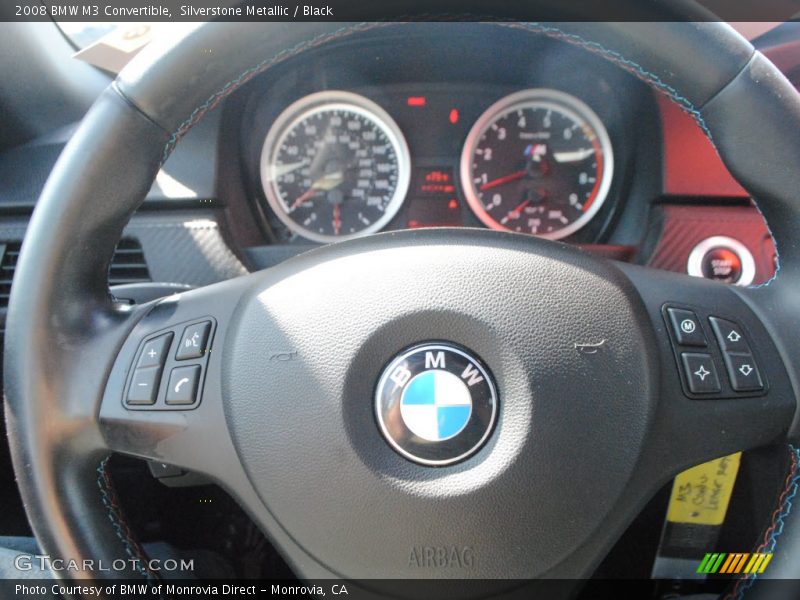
x=700, y=495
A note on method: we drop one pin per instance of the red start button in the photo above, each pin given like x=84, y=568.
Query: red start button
x=722, y=264
x=723, y=259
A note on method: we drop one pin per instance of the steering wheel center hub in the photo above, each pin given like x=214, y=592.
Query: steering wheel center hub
x=546, y=433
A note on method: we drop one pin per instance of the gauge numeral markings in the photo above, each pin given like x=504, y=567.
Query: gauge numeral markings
x=334, y=171
x=537, y=163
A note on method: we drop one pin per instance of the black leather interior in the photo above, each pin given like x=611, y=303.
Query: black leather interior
x=59, y=323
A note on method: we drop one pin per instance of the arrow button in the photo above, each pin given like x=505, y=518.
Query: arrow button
x=729, y=335
x=743, y=372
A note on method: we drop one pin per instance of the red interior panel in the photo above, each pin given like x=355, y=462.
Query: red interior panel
x=692, y=166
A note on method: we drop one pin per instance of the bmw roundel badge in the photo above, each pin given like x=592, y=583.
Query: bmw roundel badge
x=436, y=403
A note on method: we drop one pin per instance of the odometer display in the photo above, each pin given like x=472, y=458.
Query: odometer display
x=335, y=166
x=538, y=162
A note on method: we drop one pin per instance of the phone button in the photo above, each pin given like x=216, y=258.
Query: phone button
x=182, y=388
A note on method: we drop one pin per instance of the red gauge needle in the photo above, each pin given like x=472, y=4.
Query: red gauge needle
x=309, y=194
x=337, y=219
x=515, y=211
x=501, y=180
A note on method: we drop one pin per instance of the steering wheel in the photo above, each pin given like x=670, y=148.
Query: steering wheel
x=592, y=413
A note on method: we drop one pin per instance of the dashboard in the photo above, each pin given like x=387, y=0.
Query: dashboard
x=461, y=125
x=533, y=137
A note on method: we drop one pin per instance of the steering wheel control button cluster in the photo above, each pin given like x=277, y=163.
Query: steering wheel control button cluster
x=686, y=327
x=729, y=346
x=170, y=367
x=743, y=372
x=155, y=351
x=701, y=373
x=194, y=341
x=183, y=383
x=436, y=404
x=144, y=386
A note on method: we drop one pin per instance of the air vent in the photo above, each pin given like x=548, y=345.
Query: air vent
x=127, y=266
x=7, y=266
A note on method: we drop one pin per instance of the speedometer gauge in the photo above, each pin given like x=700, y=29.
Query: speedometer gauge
x=539, y=162
x=335, y=166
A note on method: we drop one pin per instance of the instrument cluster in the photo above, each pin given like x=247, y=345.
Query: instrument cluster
x=520, y=134
x=336, y=164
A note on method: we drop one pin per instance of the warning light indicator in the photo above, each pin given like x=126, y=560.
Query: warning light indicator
x=454, y=116
x=416, y=101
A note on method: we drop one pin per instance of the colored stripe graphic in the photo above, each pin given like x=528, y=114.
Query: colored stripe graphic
x=703, y=563
x=717, y=563
x=730, y=561
x=737, y=562
x=737, y=568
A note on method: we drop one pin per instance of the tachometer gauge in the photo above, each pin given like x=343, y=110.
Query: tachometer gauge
x=539, y=162
x=335, y=166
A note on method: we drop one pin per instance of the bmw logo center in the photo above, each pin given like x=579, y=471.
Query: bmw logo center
x=436, y=403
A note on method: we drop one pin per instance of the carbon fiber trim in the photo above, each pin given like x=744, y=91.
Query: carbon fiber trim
x=180, y=247
x=185, y=248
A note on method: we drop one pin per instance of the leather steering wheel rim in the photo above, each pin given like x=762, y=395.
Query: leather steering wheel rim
x=61, y=318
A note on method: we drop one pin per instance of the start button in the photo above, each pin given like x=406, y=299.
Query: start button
x=722, y=259
x=722, y=264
